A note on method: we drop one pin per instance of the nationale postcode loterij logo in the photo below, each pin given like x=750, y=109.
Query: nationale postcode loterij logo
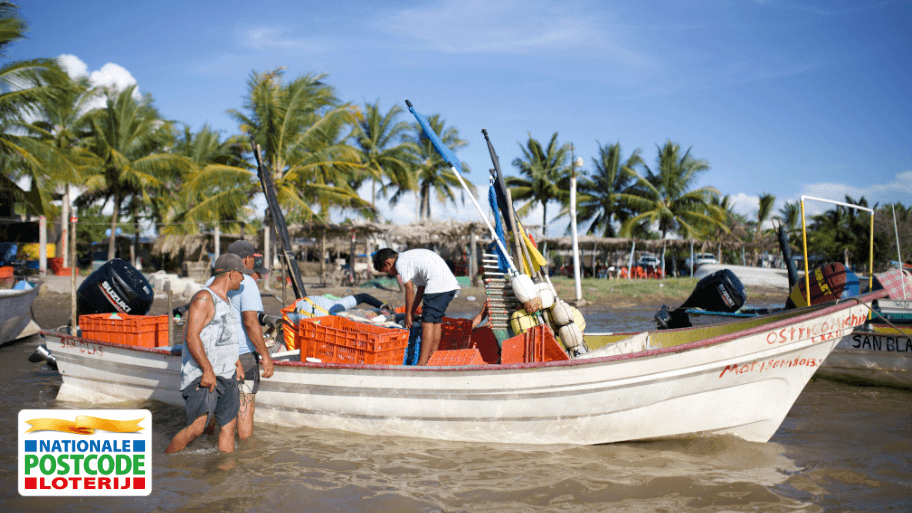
x=85, y=452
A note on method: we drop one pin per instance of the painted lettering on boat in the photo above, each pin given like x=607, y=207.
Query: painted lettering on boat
x=817, y=332
x=773, y=363
x=83, y=347
x=886, y=343
x=114, y=297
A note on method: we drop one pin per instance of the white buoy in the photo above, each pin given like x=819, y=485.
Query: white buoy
x=562, y=313
x=546, y=295
x=572, y=337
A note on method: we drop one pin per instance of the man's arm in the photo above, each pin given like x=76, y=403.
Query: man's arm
x=201, y=312
x=409, y=303
x=255, y=332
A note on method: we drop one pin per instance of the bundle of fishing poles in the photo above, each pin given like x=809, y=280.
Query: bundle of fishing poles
x=530, y=281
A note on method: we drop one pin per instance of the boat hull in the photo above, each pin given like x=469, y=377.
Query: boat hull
x=15, y=311
x=740, y=382
x=873, y=357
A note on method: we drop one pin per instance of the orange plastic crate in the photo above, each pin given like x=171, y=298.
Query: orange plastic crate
x=6, y=272
x=133, y=330
x=535, y=345
x=334, y=339
x=55, y=263
x=62, y=271
x=456, y=357
x=455, y=334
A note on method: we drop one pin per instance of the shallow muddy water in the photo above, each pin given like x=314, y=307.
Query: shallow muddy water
x=841, y=448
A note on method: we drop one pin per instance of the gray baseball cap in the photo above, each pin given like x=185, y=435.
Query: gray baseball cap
x=230, y=262
x=241, y=248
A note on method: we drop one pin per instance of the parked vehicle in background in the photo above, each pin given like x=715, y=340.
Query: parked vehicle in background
x=649, y=260
x=700, y=259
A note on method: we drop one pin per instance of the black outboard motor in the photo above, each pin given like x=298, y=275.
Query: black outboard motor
x=115, y=287
x=721, y=291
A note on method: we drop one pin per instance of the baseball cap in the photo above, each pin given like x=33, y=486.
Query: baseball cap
x=241, y=248
x=230, y=262
x=258, y=266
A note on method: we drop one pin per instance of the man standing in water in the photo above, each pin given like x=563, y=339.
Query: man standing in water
x=425, y=276
x=247, y=306
x=209, y=362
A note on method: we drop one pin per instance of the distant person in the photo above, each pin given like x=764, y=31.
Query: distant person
x=425, y=276
x=247, y=305
x=209, y=362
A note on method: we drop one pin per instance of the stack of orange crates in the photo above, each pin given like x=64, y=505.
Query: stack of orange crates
x=6, y=272
x=535, y=345
x=132, y=330
x=335, y=339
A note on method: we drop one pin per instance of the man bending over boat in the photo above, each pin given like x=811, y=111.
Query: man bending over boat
x=247, y=305
x=425, y=276
x=210, y=363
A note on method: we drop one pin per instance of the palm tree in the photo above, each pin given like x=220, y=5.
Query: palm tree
x=764, y=209
x=299, y=127
x=384, y=152
x=433, y=174
x=22, y=85
x=545, y=177
x=671, y=203
x=129, y=138
x=606, y=197
x=216, y=189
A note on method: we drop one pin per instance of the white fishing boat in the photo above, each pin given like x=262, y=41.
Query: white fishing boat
x=15, y=311
x=739, y=378
x=875, y=354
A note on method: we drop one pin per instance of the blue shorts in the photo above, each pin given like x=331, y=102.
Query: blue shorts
x=435, y=305
x=224, y=403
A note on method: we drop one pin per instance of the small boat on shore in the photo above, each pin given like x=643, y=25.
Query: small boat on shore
x=739, y=378
x=15, y=310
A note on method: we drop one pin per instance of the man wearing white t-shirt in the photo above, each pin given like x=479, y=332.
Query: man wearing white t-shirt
x=425, y=276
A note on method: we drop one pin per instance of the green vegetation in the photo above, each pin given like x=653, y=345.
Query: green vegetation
x=321, y=150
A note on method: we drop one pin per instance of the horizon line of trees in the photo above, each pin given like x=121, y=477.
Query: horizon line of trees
x=321, y=151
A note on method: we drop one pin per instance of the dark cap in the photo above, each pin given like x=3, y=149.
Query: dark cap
x=241, y=248
x=258, y=266
x=230, y=262
x=383, y=255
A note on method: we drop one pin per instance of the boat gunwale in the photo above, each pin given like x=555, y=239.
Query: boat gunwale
x=817, y=311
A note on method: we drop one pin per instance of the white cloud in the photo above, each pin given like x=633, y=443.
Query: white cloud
x=73, y=65
x=110, y=75
x=479, y=26
x=271, y=38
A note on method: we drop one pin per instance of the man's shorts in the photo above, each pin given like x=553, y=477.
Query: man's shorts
x=251, y=382
x=224, y=402
x=435, y=305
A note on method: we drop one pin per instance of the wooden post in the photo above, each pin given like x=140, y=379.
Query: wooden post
x=323, y=257
x=63, y=245
x=217, y=235
x=267, y=257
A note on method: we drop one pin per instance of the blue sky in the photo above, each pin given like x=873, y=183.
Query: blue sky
x=786, y=97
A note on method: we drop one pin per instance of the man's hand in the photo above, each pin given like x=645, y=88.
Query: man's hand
x=408, y=320
x=208, y=380
x=267, y=365
x=240, y=369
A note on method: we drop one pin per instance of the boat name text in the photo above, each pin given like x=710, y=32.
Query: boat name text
x=882, y=343
x=84, y=347
x=817, y=332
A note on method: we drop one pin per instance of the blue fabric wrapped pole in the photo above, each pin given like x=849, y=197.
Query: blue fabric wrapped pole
x=498, y=227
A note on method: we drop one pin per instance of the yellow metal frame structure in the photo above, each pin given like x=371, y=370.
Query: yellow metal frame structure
x=807, y=274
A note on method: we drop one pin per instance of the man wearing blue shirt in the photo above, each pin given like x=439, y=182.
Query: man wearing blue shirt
x=247, y=304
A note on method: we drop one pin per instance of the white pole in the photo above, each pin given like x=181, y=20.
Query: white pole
x=42, y=246
x=630, y=260
x=573, y=234
x=692, y=258
x=902, y=274
x=64, y=219
x=485, y=219
x=217, y=234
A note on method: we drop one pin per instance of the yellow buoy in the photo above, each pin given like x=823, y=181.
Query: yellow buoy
x=522, y=322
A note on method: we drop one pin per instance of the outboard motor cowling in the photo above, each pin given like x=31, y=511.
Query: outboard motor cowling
x=116, y=286
x=721, y=291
